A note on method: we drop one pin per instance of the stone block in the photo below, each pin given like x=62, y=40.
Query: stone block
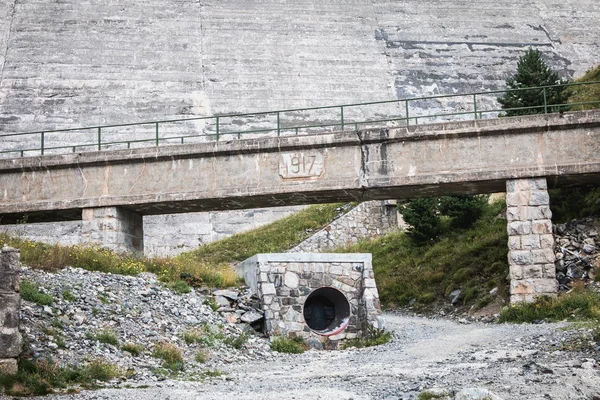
x=541, y=212
x=519, y=228
x=520, y=257
x=516, y=272
x=539, y=198
x=514, y=242
x=547, y=240
x=543, y=256
x=541, y=227
x=517, y=199
x=549, y=271
x=8, y=366
x=10, y=343
x=533, y=271
x=530, y=242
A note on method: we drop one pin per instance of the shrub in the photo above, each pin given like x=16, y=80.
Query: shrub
x=171, y=355
x=30, y=292
x=283, y=344
x=532, y=71
x=373, y=337
x=68, y=296
x=579, y=304
x=134, y=349
x=202, y=356
x=107, y=336
x=463, y=210
x=423, y=217
x=180, y=287
x=236, y=341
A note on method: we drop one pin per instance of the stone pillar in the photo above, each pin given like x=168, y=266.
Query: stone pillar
x=530, y=240
x=10, y=305
x=115, y=228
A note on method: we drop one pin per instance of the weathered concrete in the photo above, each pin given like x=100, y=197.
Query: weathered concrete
x=283, y=282
x=425, y=160
x=530, y=240
x=115, y=228
x=10, y=304
x=70, y=63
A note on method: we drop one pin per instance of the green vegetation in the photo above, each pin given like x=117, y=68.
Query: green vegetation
x=107, y=336
x=279, y=236
x=171, y=355
x=237, y=342
x=202, y=356
x=132, y=348
x=180, y=287
x=430, y=395
x=206, y=336
x=41, y=377
x=472, y=260
x=532, y=71
x=571, y=203
x=283, y=344
x=209, y=265
x=68, y=296
x=430, y=217
x=586, y=93
x=578, y=304
x=374, y=337
x=30, y=292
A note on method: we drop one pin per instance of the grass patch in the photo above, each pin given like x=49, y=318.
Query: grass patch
x=41, y=377
x=171, y=355
x=30, y=292
x=472, y=260
x=209, y=265
x=107, y=336
x=283, y=344
x=579, y=304
x=202, y=356
x=237, y=342
x=586, y=93
x=374, y=337
x=179, y=287
x=430, y=395
x=132, y=348
x=277, y=237
x=68, y=296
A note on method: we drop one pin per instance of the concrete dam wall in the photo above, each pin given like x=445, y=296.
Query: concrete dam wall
x=73, y=63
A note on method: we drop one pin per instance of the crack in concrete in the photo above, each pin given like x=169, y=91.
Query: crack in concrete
x=363, y=176
x=10, y=29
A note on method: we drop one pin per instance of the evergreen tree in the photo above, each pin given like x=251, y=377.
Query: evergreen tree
x=532, y=71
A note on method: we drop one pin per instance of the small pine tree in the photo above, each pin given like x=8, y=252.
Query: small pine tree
x=532, y=71
x=423, y=217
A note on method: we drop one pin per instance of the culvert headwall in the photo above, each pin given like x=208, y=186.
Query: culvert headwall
x=324, y=298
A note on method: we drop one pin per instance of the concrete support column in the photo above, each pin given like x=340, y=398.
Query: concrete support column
x=10, y=305
x=530, y=240
x=115, y=228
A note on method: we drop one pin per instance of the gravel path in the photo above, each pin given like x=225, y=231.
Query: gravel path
x=512, y=361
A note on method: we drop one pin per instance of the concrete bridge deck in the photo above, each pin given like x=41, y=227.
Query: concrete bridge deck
x=425, y=160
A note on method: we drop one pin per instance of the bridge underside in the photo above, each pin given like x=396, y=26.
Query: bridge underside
x=304, y=198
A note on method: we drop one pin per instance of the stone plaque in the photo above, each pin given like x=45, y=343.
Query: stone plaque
x=301, y=165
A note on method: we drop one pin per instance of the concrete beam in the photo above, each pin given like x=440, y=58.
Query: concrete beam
x=415, y=161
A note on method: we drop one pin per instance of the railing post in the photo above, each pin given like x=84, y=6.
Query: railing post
x=217, y=128
x=99, y=138
x=342, y=116
x=156, y=129
x=406, y=106
x=278, y=124
x=475, y=105
x=42, y=143
x=545, y=102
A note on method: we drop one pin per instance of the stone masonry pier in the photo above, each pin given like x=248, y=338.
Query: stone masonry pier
x=10, y=304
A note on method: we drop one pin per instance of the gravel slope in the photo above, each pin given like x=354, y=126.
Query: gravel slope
x=512, y=361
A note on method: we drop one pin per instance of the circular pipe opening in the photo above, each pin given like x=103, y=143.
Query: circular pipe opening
x=326, y=311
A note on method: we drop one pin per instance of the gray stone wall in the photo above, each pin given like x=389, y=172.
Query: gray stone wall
x=284, y=281
x=114, y=228
x=367, y=220
x=10, y=304
x=530, y=240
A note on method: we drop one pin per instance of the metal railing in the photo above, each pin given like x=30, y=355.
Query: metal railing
x=478, y=105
